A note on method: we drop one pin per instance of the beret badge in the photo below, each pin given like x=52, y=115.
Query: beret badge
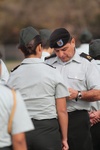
x=60, y=43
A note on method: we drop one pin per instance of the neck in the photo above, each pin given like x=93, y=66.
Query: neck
x=33, y=56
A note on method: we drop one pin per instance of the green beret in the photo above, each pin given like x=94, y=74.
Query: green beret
x=94, y=48
x=27, y=34
x=59, y=38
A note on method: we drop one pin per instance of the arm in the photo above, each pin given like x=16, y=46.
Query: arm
x=18, y=142
x=90, y=96
x=63, y=120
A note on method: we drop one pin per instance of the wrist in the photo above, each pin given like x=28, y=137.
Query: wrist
x=79, y=96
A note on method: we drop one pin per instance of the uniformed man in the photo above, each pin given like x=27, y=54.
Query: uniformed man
x=84, y=86
x=85, y=38
x=44, y=93
x=94, y=52
x=46, y=50
x=14, y=120
x=4, y=74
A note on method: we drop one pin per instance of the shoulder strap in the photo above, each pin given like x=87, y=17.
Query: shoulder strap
x=15, y=68
x=51, y=66
x=88, y=57
x=12, y=112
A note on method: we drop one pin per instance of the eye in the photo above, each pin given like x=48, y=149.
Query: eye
x=57, y=51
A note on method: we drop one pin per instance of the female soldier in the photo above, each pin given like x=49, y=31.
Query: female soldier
x=44, y=93
x=13, y=123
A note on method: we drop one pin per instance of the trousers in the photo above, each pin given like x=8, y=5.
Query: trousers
x=46, y=135
x=79, y=136
x=95, y=132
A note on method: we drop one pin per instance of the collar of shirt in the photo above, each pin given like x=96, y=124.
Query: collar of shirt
x=75, y=58
x=32, y=60
x=98, y=62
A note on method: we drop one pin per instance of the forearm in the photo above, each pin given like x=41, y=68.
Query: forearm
x=19, y=142
x=91, y=95
x=63, y=121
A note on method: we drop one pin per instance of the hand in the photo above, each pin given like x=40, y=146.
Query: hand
x=65, y=145
x=73, y=94
x=94, y=117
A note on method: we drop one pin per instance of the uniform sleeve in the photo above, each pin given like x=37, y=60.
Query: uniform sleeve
x=61, y=88
x=4, y=72
x=93, y=77
x=21, y=120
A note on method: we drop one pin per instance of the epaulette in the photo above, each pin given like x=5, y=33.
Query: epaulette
x=51, y=66
x=15, y=68
x=88, y=57
x=51, y=56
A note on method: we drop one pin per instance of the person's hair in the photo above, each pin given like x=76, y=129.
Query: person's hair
x=30, y=48
x=0, y=55
x=97, y=57
x=45, y=44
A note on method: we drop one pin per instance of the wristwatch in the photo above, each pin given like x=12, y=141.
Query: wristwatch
x=79, y=96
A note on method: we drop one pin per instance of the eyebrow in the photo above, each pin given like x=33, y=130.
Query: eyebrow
x=61, y=48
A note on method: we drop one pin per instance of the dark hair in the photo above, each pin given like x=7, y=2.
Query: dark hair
x=45, y=43
x=30, y=48
x=0, y=55
x=97, y=57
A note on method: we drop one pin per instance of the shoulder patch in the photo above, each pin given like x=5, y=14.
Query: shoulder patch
x=88, y=57
x=15, y=68
x=51, y=56
x=51, y=66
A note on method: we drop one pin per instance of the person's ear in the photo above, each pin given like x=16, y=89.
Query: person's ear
x=73, y=42
x=39, y=49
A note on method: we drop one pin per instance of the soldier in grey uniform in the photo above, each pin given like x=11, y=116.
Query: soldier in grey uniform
x=20, y=122
x=85, y=38
x=46, y=50
x=44, y=93
x=94, y=52
x=4, y=74
x=83, y=80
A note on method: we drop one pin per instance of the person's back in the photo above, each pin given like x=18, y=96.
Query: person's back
x=13, y=123
x=44, y=93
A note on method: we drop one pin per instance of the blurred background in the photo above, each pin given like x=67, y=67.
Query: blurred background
x=74, y=15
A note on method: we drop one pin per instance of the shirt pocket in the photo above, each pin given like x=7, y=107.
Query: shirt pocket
x=79, y=76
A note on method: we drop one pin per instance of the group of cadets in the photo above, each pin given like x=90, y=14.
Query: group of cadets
x=51, y=100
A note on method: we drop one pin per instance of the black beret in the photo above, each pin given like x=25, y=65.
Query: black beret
x=27, y=34
x=59, y=38
x=94, y=48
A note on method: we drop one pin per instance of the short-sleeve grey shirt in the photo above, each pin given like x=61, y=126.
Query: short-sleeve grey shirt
x=40, y=85
x=79, y=74
x=21, y=121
